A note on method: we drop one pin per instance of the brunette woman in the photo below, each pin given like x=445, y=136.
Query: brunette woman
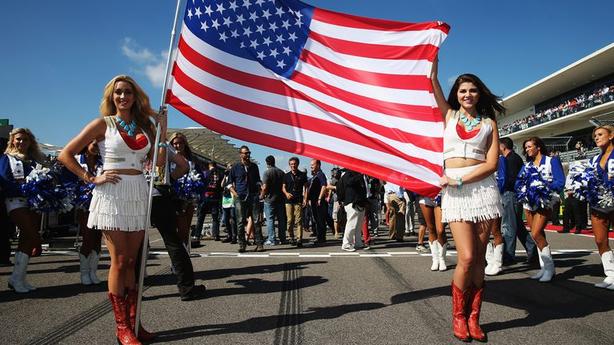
x=551, y=172
x=470, y=201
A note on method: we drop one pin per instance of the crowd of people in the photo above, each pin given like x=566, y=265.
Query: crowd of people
x=585, y=100
x=485, y=187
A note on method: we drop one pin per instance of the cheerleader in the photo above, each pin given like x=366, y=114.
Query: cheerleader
x=603, y=217
x=118, y=208
x=431, y=211
x=185, y=213
x=551, y=173
x=89, y=251
x=21, y=156
x=470, y=201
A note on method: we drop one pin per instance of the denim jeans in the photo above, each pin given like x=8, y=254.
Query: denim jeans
x=211, y=206
x=274, y=210
x=245, y=208
x=512, y=227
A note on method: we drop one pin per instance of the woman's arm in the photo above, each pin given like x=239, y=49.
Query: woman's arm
x=161, y=118
x=93, y=131
x=442, y=104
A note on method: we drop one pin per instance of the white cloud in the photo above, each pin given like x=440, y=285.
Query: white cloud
x=149, y=64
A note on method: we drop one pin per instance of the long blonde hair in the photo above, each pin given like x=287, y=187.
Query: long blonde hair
x=141, y=109
x=34, y=152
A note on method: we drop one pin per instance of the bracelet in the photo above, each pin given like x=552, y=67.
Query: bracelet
x=85, y=176
x=164, y=145
x=459, y=182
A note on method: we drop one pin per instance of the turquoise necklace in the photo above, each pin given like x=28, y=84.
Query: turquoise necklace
x=470, y=124
x=130, y=128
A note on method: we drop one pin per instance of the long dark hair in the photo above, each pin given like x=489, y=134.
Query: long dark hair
x=488, y=104
x=537, y=141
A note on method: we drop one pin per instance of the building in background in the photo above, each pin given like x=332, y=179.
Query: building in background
x=564, y=107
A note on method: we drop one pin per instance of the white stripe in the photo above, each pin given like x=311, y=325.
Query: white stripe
x=384, y=37
x=387, y=94
x=427, y=128
x=307, y=137
x=307, y=109
x=388, y=66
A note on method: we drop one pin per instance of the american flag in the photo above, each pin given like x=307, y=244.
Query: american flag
x=348, y=90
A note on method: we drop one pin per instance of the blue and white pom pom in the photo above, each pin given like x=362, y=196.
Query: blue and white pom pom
x=437, y=199
x=587, y=184
x=531, y=189
x=190, y=186
x=83, y=196
x=45, y=193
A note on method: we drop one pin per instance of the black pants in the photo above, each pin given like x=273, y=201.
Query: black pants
x=575, y=214
x=163, y=213
x=319, y=215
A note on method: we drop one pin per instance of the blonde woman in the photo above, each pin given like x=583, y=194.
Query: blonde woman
x=603, y=218
x=21, y=156
x=124, y=135
x=470, y=201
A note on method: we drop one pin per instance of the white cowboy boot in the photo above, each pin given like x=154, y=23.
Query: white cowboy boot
x=93, y=261
x=442, y=256
x=84, y=269
x=540, y=273
x=16, y=281
x=489, y=257
x=607, y=260
x=435, y=255
x=548, y=265
x=497, y=261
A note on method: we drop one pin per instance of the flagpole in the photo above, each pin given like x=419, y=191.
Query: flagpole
x=153, y=174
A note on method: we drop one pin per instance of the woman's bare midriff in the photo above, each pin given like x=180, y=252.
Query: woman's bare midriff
x=125, y=171
x=461, y=162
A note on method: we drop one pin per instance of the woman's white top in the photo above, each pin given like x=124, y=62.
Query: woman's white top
x=116, y=154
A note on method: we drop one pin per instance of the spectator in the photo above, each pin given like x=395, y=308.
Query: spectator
x=274, y=203
x=294, y=188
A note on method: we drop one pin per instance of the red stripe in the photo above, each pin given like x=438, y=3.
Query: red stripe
x=277, y=87
x=377, y=51
x=332, y=157
x=397, y=81
x=292, y=119
x=407, y=111
x=358, y=22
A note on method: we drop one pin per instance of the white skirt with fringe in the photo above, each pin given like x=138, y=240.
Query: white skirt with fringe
x=473, y=202
x=121, y=206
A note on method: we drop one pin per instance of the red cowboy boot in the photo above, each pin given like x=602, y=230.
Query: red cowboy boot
x=143, y=335
x=474, y=306
x=459, y=317
x=124, y=333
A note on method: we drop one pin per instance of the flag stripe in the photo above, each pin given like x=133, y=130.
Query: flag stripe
x=375, y=51
x=255, y=98
x=368, y=166
x=407, y=82
x=377, y=122
x=349, y=20
x=399, y=38
x=399, y=67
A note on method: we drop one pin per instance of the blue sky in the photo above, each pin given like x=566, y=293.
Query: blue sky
x=58, y=55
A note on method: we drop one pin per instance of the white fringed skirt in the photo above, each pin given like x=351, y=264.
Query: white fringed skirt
x=121, y=206
x=473, y=202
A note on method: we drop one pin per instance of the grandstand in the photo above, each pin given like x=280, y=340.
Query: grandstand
x=208, y=145
x=563, y=107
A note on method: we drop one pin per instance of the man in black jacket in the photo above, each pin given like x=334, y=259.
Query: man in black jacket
x=352, y=193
